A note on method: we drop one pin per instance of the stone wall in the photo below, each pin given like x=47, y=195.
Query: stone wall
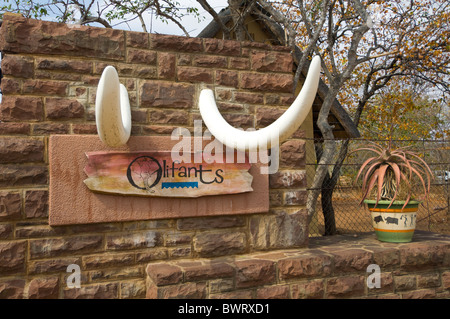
x=333, y=267
x=50, y=75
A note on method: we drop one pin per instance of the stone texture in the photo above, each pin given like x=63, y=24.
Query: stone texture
x=97, y=291
x=17, y=66
x=305, y=266
x=21, y=150
x=63, y=109
x=345, y=287
x=134, y=240
x=42, y=37
x=273, y=292
x=12, y=257
x=223, y=47
x=267, y=82
x=166, y=65
x=24, y=108
x=293, y=154
x=207, y=270
x=132, y=289
x=251, y=273
x=308, y=290
x=41, y=87
x=190, y=290
x=44, y=288
x=279, y=229
x=175, y=43
x=12, y=289
x=10, y=205
x=210, y=222
x=41, y=248
x=211, y=244
x=194, y=74
x=163, y=94
x=288, y=179
x=22, y=175
x=264, y=61
x=227, y=78
x=141, y=56
x=351, y=260
x=164, y=274
x=14, y=128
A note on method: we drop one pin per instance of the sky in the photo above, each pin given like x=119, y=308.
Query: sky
x=191, y=24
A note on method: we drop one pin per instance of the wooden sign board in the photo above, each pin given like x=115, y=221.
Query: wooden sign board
x=72, y=202
x=157, y=174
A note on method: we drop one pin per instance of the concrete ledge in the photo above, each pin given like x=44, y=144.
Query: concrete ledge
x=332, y=267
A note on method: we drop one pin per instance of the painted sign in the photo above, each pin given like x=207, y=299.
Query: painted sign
x=156, y=174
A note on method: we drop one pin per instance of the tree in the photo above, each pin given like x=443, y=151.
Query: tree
x=363, y=44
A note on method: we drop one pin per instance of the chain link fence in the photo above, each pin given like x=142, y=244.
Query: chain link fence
x=349, y=216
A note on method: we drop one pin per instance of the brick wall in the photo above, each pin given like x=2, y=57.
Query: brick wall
x=49, y=85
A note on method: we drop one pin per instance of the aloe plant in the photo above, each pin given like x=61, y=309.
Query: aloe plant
x=389, y=170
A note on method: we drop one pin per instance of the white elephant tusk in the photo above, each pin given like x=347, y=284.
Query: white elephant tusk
x=112, y=109
x=280, y=130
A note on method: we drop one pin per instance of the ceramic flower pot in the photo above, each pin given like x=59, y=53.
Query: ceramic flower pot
x=393, y=224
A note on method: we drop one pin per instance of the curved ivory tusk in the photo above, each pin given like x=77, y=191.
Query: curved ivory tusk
x=280, y=130
x=112, y=109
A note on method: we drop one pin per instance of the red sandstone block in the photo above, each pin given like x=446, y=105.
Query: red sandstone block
x=19, y=34
x=224, y=47
x=446, y=279
x=44, y=288
x=293, y=198
x=11, y=205
x=12, y=257
x=10, y=86
x=239, y=120
x=14, y=128
x=351, y=260
x=254, y=272
x=169, y=117
x=64, y=65
x=211, y=244
x=210, y=61
x=273, y=292
x=293, y=154
x=15, y=175
x=18, y=66
x=137, y=39
x=420, y=294
x=84, y=128
x=287, y=179
x=175, y=43
x=190, y=290
x=166, y=65
x=133, y=240
x=164, y=273
x=308, y=290
x=18, y=108
x=165, y=94
x=305, y=266
x=422, y=255
x=345, y=287
x=36, y=204
x=207, y=270
x=95, y=291
x=21, y=150
x=194, y=74
x=50, y=128
x=6, y=231
x=250, y=98
x=62, y=109
x=239, y=63
x=267, y=115
x=12, y=289
x=141, y=56
x=264, y=61
x=267, y=82
x=227, y=78
x=42, y=248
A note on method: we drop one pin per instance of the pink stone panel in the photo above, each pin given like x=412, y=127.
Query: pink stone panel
x=71, y=202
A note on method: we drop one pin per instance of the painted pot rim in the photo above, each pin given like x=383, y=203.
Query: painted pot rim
x=387, y=202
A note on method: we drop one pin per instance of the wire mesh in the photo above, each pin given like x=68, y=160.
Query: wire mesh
x=345, y=211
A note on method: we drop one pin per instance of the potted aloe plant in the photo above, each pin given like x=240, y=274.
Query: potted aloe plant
x=390, y=180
